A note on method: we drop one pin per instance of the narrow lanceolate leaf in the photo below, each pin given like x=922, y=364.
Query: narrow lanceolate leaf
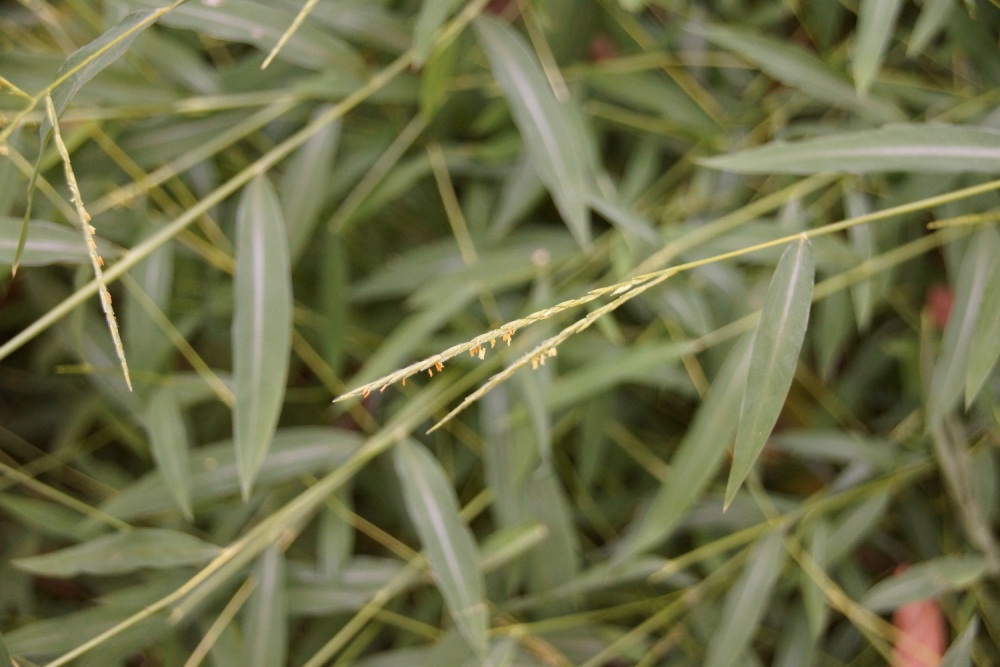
x=168, y=440
x=928, y=148
x=543, y=121
x=802, y=70
x=960, y=652
x=46, y=243
x=262, y=325
x=933, y=18
x=746, y=602
x=926, y=580
x=775, y=352
x=984, y=348
x=697, y=458
x=265, y=627
x=448, y=544
x=80, y=67
x=876, y=25
x=86, y=62
x=137, y=549
x=432, y=15
x=948, y=379
x=4, y=654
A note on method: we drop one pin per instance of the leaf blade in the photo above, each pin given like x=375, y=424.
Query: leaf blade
x=775, y=353
x=904, y=147
x=948, y=378
x=170, y=446
x=876, y=24
x=925, y=580
x=119, y=553
x=984, y=347
x=544, y=123
x=266, y=624
x=746, y=602
x=448, y=543
x=262, y=325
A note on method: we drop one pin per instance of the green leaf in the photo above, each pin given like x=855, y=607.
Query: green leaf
x=544, y=123
x=168, y=440
x=263, y=24
x=948, y=379
x=876, y=25
x=4, y=654
x=214, y=472
x=448, y=543
x=303, y=189
x=154, y=548
x=813, y=600
x=917, y=148
x=89, y=60
x=46, y=243
x=265, y=626
x=697, y=457
x=432, y=15
x=775, y=353
x=960, y=652
x=262, y=325
x=933, y=18
x=746, y=602
x=984, y=346
x=47, y=516
x=801, y=70
x=436, y=80
x=924, y=581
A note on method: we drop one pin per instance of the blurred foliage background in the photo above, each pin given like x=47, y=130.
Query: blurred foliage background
x=730, y=254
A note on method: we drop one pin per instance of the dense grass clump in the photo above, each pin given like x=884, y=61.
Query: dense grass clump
x=499, y=333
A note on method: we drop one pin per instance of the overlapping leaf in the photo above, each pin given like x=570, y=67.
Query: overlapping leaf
x=262, y=325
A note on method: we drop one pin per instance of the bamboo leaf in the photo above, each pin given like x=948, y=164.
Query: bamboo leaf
x=262, y=325
x=746, y=602
x=265, y=626
x=168, y=440
x=89, y=60
x=925, y=580
x=984, y=346
x=948, y=379
x=933, y=18
x=303, y=188
x=142, y=548
x=448, y=543
x=800, y=69
x=4, y=654
x=215, y=474
x=876, y=25
x=775, y=352
x=46, y=243
x=561, y=162
x=431, y=17
x=917, y=148
x=813, y=600
x=960, y=652
x=264, y=25
x=696, y=459
x=49, y=517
